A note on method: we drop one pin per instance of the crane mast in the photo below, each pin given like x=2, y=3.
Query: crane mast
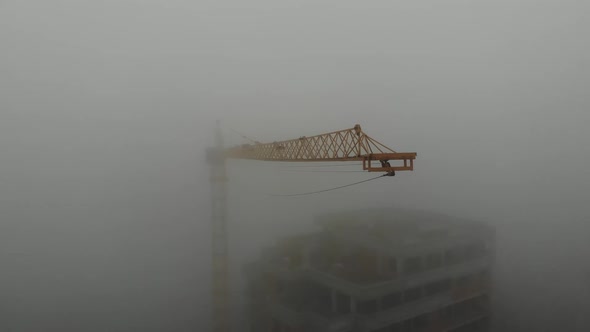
x=343, y=145
x=219, y=242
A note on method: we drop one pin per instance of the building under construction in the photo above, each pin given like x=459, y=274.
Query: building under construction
x=384, y=270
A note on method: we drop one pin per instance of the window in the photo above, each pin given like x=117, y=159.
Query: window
x=435, y=234
x=446, y=313
x=276, y=326
x=438, y=287
x=397, y=327
x=322, y=295
x=384, y=329
x=455, y=255
x=464, y=281
x=413, y=265
x=392, y=265
x=470, y=307
x=280, y=286
x=412, y=294
x=475, y=250
x=475, y=326
x=484, y=277
x=433, y=261
x=422, y=321
x=342, y=303
x=391, y=300
x=367, y=307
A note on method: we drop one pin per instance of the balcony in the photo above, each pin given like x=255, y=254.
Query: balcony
x=435, y=324
x=378, y=288
x=310, y=318
x=470, y=291
x=357, y=267
x=472, y=301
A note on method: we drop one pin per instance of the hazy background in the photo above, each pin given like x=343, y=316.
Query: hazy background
x=106, y=108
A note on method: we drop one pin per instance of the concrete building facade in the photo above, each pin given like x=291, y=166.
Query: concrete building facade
x=375, y=271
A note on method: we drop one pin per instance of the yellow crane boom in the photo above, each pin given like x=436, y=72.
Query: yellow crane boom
x=343, y=145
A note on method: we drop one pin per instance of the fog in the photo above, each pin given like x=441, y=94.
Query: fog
x=107, y=108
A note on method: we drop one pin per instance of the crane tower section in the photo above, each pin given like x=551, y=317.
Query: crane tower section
x=219, y=238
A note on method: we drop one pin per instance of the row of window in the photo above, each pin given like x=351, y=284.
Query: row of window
x=454, y=255
x=447, y=317
x=414, y=294
x=323, y=300
x=363, y=267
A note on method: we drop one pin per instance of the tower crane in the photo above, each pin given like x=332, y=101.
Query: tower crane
x=351, y=144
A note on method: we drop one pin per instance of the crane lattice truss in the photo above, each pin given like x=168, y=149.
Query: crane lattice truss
x=343, y=145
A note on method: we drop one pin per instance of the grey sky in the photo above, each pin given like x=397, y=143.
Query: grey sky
x=106, y=108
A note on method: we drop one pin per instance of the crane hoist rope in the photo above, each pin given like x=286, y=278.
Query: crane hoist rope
x=330, y=189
